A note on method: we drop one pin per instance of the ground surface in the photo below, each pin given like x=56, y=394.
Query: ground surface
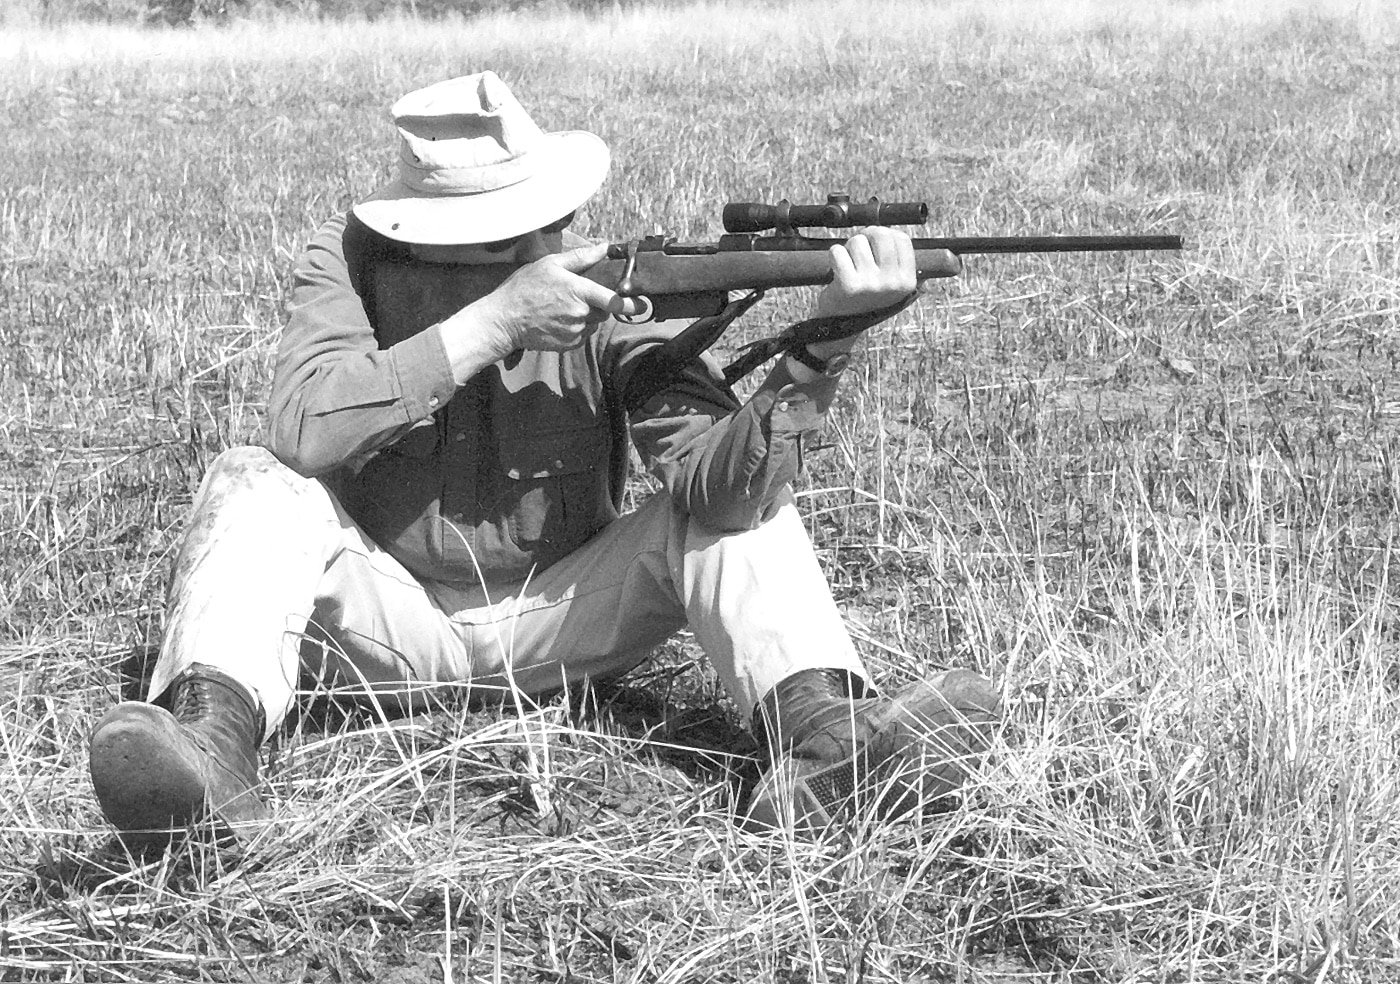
x=1156, y=496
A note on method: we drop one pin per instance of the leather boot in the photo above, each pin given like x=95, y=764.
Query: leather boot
x=155, y=770
x=837, y=750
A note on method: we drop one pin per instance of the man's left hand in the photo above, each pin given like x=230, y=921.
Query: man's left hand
x=871, y=270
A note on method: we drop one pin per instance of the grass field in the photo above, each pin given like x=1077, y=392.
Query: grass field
x=1158, y=497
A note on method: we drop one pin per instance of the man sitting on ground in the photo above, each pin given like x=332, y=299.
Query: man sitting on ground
x=440, y=504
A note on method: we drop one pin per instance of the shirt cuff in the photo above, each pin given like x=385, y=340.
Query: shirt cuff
x=423, y=374
x=791, y=407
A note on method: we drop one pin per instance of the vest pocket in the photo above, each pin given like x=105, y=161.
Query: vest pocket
x=557, y=490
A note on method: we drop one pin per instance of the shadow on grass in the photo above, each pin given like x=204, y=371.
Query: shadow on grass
x=66, y=868
x=666, y=717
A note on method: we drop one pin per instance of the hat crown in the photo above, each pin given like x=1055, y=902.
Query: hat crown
x=473, y=167
x=464, y=136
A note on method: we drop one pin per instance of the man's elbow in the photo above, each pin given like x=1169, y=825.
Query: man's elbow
x=726, y=513
x=291, y=444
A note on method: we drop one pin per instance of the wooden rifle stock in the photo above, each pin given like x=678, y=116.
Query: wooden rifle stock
x=692, y=280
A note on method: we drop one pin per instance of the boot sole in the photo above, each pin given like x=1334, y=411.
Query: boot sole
x=145, y=785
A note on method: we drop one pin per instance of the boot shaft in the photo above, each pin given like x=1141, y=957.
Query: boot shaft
x=835, y=747
x=826, y=706
x=220, y=714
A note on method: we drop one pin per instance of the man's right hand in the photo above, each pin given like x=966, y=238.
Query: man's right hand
x=546, y=305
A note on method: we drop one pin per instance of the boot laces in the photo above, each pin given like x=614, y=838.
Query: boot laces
x=193, y=700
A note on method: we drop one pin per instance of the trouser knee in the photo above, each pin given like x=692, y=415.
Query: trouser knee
x=250, y=504
x=249, y=484
x=247, y=467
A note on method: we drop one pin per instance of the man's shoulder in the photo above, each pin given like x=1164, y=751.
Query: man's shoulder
x=343, y=248
x=347, y=237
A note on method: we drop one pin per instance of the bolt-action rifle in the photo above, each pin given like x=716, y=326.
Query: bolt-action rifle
x=762, y=249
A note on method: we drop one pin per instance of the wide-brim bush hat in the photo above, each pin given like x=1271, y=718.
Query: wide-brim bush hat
x=475, y=168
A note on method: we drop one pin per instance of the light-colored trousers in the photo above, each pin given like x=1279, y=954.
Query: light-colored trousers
x=272, y=571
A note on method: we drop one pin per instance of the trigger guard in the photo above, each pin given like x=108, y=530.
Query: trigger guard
x=642, y=316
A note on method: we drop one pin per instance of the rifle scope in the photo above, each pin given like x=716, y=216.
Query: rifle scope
x=839, y=212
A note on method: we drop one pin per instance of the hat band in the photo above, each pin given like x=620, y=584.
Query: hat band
x=467, y=180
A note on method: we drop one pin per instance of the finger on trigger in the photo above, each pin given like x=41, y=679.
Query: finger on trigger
x=595, y=295
x=628, y=306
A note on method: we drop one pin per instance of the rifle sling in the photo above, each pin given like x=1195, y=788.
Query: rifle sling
x=659, y=367
x=806, y=332
x=665, y=363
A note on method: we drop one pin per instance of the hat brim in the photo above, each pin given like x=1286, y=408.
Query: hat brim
x=573, y=164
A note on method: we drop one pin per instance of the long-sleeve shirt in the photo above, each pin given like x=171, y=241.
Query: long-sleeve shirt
x=522, y=464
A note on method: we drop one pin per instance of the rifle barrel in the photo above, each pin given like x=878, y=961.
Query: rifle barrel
x=1048, y=244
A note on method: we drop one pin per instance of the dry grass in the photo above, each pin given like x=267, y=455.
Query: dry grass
x=1158, y=497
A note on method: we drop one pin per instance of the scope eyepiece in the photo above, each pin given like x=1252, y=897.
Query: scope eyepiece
x=839, y=212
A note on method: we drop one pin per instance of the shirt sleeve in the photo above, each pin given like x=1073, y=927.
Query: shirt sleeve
x=337, y=398
x=724, y=459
